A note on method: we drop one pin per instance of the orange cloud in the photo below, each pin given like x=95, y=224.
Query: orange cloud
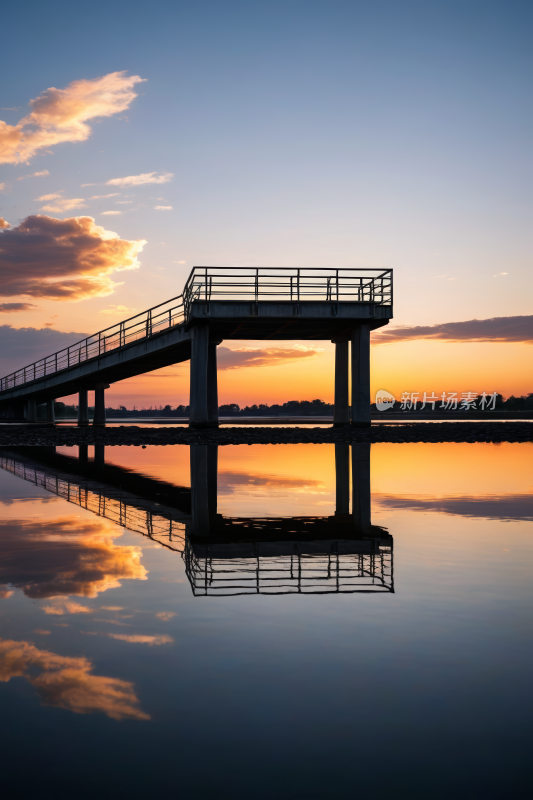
x=65, y=556
x=64, y=204
x=4, y=224
x=138, y=638
x=140, y=180
x=67, y=682
x=263, y=356
x=165, y=615
x=67, y=608
x=69, y=259
x=61, y=115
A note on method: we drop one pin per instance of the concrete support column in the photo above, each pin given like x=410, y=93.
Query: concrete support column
x=342, y=479
x=204, y=466
x=99, y=405
x=15, y=411
x=50, y=412
x=83, y=454
x=31, y=413
x=212, y=385
x=341, y=410
x=361, y=488
x=99, y=455
x=199, y=414
x=361, y=376
x=83, y=407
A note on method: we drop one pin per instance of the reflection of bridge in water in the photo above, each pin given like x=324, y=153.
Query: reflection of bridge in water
x=224, y=555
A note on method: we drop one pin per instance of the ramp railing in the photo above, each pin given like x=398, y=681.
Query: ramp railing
x=141, y=326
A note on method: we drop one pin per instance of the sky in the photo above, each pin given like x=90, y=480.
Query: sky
x=137, y=141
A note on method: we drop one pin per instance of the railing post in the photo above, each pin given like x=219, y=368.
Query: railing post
x=56, y=361
x=298, y=285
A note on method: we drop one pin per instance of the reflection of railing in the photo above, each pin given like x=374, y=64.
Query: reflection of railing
x=142, y=326
x=163, y=530
x=265, y=283
x=320, y=567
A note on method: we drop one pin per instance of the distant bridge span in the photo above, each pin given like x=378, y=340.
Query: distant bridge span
x=342, y=305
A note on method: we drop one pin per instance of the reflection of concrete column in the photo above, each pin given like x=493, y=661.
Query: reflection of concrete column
x=83, y=407
x=361, y=376
x=341, y=411
x=32, y=410
x=99, y=456
x=204, y=463
x=342, y=478
x=83, y=454
x=50, y=411
x=212, y=384
x=199, y=414
x=99, y=404
x=361, y=487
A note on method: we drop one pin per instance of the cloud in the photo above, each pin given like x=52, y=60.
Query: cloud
x=123, y=202
x=502, y=506
x=500, y=273
x=163, y=208
x=4, y=224
x=42, y=632
x=137, y=638
x=69, y=259
x=165, y=615
x=4, y=187
x=61, y=115
x=266, y=484
x=19, y=346
x=65, y=204
x=263, y=356
x=42, y=174
x=111, y=213
x=67, y=682
x=103, y=196
x=83, y=185
x=140, y=180
x=12, y=308
x=121, y=310
x=496, y=329
x=67, y=607
x=63, y=557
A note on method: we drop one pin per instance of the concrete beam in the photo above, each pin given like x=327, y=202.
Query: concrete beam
x=342, y=479
x=99, y=405
x=199, y=413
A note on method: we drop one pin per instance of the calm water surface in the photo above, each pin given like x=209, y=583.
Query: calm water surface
x=255, y=636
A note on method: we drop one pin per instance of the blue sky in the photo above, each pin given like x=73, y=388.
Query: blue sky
x=357, y=134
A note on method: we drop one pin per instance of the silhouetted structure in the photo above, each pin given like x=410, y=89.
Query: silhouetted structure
x=341, y=305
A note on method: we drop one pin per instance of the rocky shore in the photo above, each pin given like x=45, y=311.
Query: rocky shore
x=131, y=435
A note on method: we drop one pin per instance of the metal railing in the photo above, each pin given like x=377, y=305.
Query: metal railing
x=217, y=283
x=111, y=504
x=141, y=326
x=312, y=283
x=329, y=572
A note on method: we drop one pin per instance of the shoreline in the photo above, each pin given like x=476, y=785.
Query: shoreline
x=131, y=435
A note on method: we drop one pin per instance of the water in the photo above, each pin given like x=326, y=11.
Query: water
x=289, y=653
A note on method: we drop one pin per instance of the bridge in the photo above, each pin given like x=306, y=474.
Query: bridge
x=343, y=553
x=217, y=304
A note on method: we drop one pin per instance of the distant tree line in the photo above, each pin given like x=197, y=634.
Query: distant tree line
x=306, y=408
